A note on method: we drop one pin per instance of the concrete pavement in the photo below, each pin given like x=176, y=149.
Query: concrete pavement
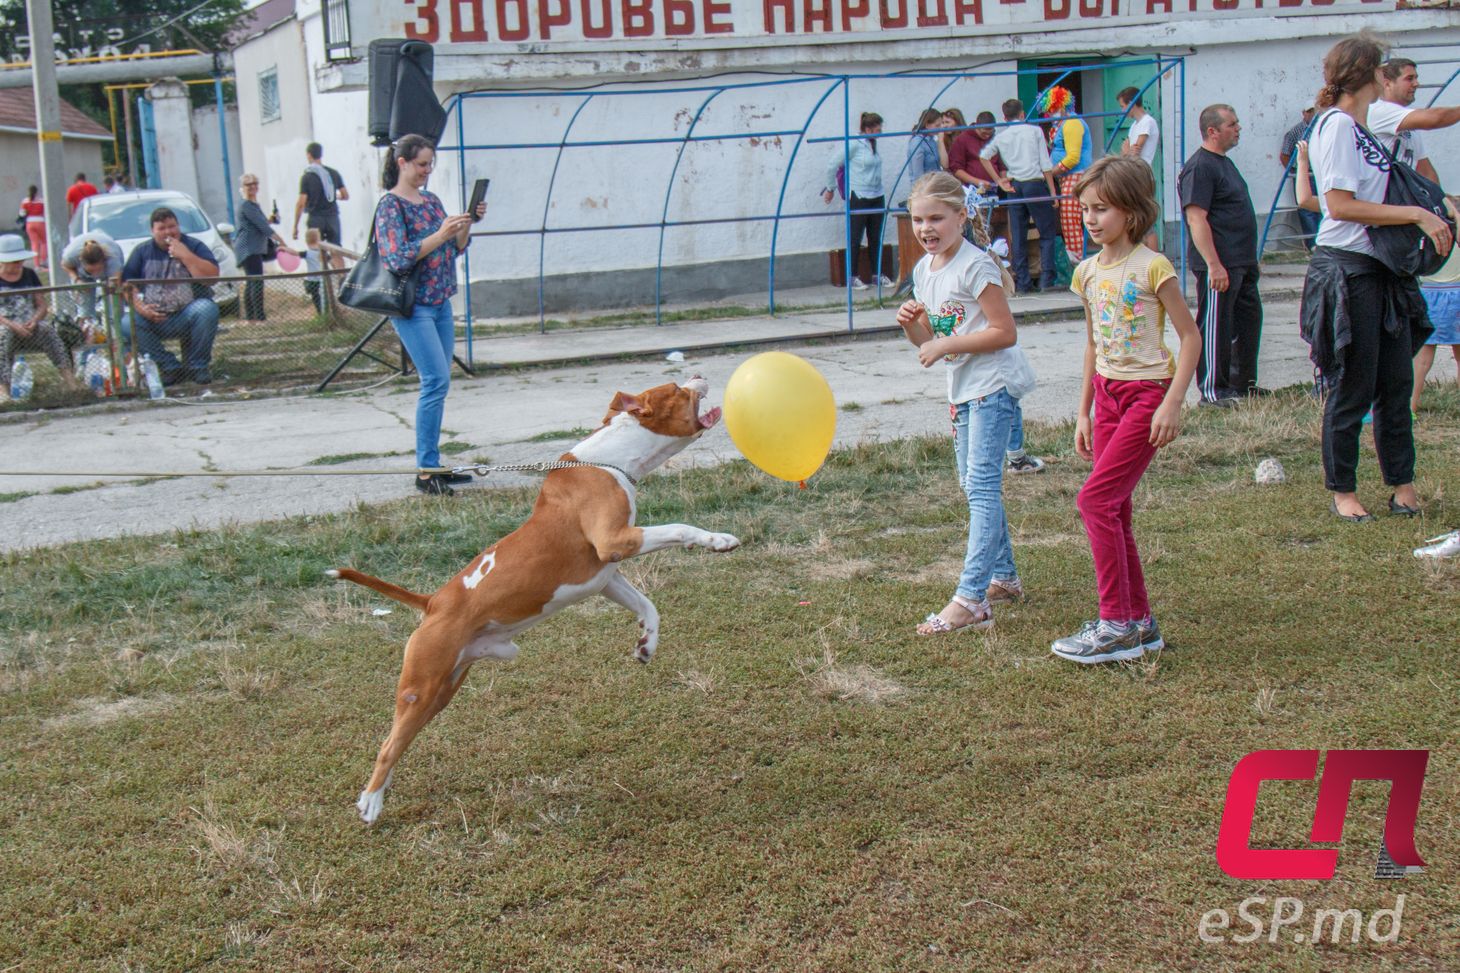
x=502, y=416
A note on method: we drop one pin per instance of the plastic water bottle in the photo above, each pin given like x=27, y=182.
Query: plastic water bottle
x=22, y=380
x=153, y=377
x=96, y=369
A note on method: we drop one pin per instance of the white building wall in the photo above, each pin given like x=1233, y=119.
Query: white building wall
x=273, y=149
x=339, y=127
x=1268, y=68
x=215, y=185
x=20, y=169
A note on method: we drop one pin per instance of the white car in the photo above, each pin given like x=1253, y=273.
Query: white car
x=126, y=218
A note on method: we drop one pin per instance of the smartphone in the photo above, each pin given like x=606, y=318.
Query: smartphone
x=478, y=193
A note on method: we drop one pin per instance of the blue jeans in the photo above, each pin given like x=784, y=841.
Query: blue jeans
x=1016, y=432
x=1309, y=222
x=429, y=337
x=981, y=430
x=196, y=325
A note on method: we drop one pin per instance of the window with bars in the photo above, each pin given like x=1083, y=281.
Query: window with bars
x=337, y=31
x=269, y=109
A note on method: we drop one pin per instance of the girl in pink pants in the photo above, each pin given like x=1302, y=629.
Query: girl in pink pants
x=1135, y=388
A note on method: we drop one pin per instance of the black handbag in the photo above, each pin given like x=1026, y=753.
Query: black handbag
x=1406, y=249
x=372, y=286
x=271, y=248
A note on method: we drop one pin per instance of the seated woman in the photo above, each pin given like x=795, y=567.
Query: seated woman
x=23, y=317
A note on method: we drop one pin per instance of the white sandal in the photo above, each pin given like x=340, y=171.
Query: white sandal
x=983, y=618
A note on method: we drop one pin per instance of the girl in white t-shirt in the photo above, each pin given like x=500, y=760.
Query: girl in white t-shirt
x=960, y=315
x=1363, y=321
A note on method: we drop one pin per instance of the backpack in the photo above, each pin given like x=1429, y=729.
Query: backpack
x=1405, y=249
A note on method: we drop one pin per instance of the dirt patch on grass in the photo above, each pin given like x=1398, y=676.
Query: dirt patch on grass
x=859, y=683
x=93, y=711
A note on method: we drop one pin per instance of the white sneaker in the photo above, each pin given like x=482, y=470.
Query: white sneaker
x=1446, y=545
x=858, y=284
x=885, y=281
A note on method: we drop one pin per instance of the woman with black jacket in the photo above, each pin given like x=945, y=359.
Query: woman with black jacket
x=1362, y=321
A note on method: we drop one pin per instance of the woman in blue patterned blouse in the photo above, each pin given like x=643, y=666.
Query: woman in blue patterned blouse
x=411, y=228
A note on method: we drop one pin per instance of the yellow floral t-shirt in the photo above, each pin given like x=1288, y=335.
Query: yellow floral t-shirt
x=1128, y=318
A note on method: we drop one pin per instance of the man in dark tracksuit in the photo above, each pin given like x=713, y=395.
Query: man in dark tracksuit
x=1222, y=230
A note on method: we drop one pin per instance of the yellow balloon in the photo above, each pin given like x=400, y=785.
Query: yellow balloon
x=781, y=414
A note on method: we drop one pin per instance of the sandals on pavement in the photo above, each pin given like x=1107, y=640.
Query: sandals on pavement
x=980, y=614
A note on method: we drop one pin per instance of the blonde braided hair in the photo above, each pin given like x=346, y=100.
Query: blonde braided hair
x=949, y=191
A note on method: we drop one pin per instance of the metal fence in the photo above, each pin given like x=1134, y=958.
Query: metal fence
x=830, y=95
x=275, y=331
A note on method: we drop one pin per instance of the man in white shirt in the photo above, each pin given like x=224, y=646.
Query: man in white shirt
x=1397, y=125
x=1029, y=181
x=1143, y=140
x=1145, y=134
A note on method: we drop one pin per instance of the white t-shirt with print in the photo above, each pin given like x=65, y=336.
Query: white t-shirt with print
x=1146, y=126
x=1344, y=156
x=950, y=295
x=1385, y=118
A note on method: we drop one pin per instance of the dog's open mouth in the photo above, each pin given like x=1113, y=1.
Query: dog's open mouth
x=710, y=418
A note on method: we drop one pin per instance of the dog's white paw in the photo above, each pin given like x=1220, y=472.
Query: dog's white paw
x=370, y=804
x=723, y=542
x=648, y=642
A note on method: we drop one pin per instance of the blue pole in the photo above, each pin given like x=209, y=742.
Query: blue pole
x=847, y=179
x=668, y=191
x=1441, y=90
x=223, y=140
x=1181, y=157
x=785, y=181
x=455, y=105
x=546, y=205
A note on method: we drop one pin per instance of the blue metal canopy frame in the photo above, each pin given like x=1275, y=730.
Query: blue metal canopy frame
x=830, y=85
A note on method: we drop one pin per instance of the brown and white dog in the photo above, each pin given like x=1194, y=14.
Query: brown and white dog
x=581, y=527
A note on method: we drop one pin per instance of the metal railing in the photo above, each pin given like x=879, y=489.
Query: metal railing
x=701, y=96
x=273, y=331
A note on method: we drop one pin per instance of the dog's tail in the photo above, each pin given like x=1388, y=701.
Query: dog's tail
x=400, y=594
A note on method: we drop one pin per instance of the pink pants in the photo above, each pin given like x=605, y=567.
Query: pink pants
x=1122, y=434
x=36, y=230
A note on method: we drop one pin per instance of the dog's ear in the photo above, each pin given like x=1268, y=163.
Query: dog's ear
x=632, y=404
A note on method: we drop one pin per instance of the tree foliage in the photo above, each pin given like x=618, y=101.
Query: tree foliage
x=98, y=28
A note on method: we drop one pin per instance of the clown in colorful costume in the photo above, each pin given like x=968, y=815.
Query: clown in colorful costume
x=1072, y=150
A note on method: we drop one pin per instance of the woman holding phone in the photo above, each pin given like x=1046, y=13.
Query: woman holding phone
x=412, y=228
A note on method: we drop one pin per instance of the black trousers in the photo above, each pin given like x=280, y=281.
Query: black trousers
x=867, y=216
x=253, y=291
x=1377, y=373
x=1046, y=221
x=1231, y=330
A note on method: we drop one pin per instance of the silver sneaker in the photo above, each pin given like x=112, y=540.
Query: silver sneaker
x=1446, y=545
x=1151, y=640
x=1025, y=464
x=1101, y=642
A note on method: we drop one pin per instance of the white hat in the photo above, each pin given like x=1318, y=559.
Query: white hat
x=12, y=249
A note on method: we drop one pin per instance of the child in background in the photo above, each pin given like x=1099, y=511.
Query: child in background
x=1136, y=390
x=313, y=265
x=1442, y=295
x=960, y=315
x=1016, y=460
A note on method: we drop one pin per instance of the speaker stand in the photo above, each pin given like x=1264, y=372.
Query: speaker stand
x=404, y=368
